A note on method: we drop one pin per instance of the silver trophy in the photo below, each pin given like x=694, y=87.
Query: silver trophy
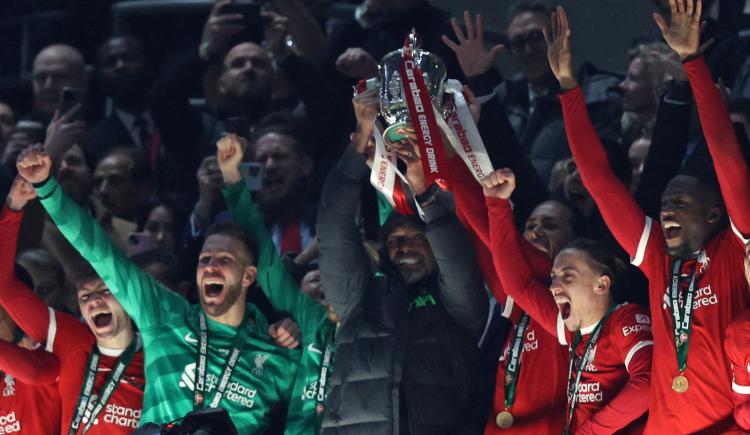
x=393, y=105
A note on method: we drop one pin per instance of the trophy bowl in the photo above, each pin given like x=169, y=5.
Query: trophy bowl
x=393, y=106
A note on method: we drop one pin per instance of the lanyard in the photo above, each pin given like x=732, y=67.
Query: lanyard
x=323, y=377
x=681, y=318
x=584, y=361
x=513, y=369
x=92, y=366
x=229, y=364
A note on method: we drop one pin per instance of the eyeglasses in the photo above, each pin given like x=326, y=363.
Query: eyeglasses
x=533, y=38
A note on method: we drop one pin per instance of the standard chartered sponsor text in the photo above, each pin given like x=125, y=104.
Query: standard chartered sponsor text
x=9, y=424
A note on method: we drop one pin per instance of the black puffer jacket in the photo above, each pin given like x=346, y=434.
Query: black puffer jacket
x=406, y=357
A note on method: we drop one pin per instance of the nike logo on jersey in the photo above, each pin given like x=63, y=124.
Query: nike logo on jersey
x=190, y=339
x=312, y=349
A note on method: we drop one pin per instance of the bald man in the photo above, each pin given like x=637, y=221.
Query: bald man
x=55, y=67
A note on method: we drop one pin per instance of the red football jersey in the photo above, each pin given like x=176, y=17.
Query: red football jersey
x=28, y=409
x=625, y=335
x=737, y=348
x=71, y=341
x=539, y=404
x=721, y=294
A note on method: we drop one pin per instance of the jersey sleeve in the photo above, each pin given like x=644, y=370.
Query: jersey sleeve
x=737, y=350
x=632, y=332
x=143, y=298
x=273, y=278
x=618, y=208
x=33, y=367
x=731, y=167
x=514, y=271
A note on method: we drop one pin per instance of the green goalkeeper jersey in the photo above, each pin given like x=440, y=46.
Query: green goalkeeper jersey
x=264, y=374
x=304, y=415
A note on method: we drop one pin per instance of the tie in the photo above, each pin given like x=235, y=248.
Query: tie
x=149, y=141
x=291, y=242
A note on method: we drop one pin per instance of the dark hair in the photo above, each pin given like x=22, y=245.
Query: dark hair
x=231, y=229
x=578, y=222
x=523, y=6
x=286, y=123
x=604, y=261
x=141, y=169
x=397, y=220
x=42, y=258
x=83, y=273
x=145, y=259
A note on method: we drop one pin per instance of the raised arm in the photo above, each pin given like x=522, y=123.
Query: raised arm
x=683, y=35
x=512, y=267
x=144, y=299
x=620, y=211
x=32, y=367
x=272, y=277
x=344, y=265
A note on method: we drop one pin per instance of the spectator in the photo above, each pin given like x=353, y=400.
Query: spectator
x=637, y=153
x=530, y=99
x=122, y=182
x=47, y=276
x=55, y=67
x=7, y=121
x=427, y=297
x=162, y=222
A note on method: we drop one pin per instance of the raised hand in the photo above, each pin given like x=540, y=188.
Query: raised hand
x=276, y=31
x=683, y=33
x=558, y=49
x=499, y=184
x=475, y=107
x=229, y=153
x=366, y=105
x=34, y=164
x=209, y=189
x=357, y=63
x=470, y=52
x=20, y=193
x=285, y=333
x=218, y=30
x=408, y=151
x=63, y=132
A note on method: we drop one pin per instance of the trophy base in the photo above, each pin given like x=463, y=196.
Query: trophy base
x=395, y=132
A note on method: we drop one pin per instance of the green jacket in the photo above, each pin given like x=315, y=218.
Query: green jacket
x=263, y=375
x=284, y=293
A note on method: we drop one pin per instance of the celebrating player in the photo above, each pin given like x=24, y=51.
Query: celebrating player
x=693, y=262
x=100, y=363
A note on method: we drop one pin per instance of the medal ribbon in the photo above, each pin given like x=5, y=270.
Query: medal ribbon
x=513, y=369
x=423, y=118
x=226, y=371
x=584, y=361
x=92, y=366
x=323, y=377
x=681, y=317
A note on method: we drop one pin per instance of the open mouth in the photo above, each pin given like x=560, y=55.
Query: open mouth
x=563, y=304
x=213, y=288
x=102, y=320
x=671, y=230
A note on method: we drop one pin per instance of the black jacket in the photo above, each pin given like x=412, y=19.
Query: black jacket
x=406, y=357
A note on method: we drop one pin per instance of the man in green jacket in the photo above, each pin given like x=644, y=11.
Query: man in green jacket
x=215, y=354
x=316, y=362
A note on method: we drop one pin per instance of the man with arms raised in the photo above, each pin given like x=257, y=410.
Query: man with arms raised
x=694, y=261
x=215, y=354
x=105, y=342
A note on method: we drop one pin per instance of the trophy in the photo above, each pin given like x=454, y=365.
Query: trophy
x=393, y=105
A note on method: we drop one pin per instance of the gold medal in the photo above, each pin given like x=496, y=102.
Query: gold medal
x=680, y=384
x=504, y=420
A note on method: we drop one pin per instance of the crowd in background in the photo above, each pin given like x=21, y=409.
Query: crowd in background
x=238, y=171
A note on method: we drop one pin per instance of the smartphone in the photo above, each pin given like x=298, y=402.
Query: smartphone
x=69, y=98
x=140, y=242
x=250, y=11
x=252, y=174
